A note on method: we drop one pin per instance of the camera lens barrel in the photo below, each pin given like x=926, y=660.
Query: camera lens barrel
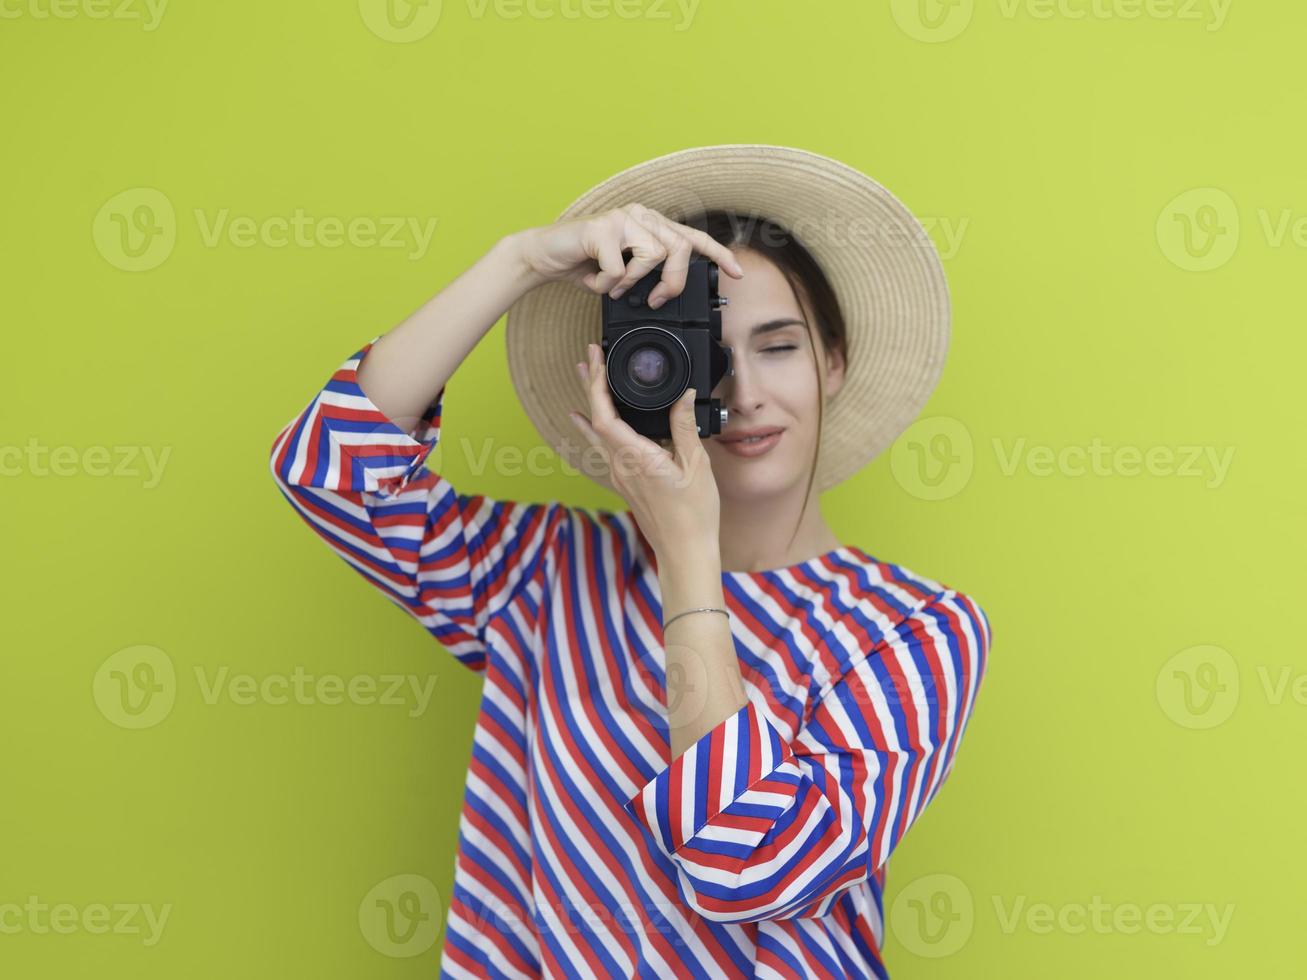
x=648, y=367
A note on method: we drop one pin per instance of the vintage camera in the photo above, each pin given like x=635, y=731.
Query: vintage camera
x=652, y=356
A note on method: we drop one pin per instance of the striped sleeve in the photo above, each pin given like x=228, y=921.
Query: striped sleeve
x=452, y=561
x=758, y=828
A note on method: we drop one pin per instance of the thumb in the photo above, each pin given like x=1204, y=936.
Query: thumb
x=685, y=433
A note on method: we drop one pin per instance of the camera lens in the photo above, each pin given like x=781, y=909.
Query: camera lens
x=647, y=367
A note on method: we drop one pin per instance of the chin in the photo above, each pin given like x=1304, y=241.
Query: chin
x=742, y=479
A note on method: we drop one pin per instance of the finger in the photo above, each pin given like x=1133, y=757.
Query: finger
x=675, y=268
x=587, y=430
x=705, y=244
x=616, y=433
x=685, y=433
x=647, y=251
x=602, y=410
x=606, y=252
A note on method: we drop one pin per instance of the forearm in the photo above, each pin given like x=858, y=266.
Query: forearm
x=704, y=684
x=408, y=365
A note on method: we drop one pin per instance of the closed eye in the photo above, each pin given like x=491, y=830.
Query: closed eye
x=782, y=347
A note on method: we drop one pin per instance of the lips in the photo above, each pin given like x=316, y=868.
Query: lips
x=741, y=445
x=747, y=433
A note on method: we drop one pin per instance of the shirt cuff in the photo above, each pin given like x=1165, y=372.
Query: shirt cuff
x=382, y=457
x=709, y=776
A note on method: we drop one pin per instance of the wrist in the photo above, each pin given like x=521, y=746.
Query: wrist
x=702, y=560
x=512, y=249
x=690, y=578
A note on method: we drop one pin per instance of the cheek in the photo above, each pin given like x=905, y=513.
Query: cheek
x=795, y=390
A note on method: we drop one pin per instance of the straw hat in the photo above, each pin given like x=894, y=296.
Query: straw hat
x=883, y=267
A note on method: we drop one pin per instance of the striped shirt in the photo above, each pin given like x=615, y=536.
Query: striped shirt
x=584, y=850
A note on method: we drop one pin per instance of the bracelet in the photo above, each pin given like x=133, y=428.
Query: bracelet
x=687, y=612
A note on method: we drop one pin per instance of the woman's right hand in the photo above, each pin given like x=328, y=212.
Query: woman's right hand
x=587, y=251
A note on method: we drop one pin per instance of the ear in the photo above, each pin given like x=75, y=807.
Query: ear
x=834, y=379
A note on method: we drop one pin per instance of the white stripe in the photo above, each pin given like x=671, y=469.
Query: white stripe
x=481, y=940
x=559, y=809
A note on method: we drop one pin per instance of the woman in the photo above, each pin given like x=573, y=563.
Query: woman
x=705, y=723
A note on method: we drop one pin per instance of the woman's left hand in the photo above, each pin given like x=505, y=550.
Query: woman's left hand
x=672, y=493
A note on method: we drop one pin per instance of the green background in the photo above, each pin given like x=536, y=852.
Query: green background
x=1108, y=761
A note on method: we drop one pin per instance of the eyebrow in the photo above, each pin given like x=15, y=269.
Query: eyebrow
x=771, y=325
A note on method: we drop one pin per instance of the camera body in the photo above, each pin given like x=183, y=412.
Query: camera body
x=652, y=356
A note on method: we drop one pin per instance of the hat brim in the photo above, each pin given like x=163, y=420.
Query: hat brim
x=884, y=269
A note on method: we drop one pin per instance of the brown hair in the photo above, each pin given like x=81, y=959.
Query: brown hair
x=812, y=291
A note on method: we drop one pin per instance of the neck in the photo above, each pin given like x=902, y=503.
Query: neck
x=756, y=534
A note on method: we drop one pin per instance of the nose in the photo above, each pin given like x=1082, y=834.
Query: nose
x=739, y=392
